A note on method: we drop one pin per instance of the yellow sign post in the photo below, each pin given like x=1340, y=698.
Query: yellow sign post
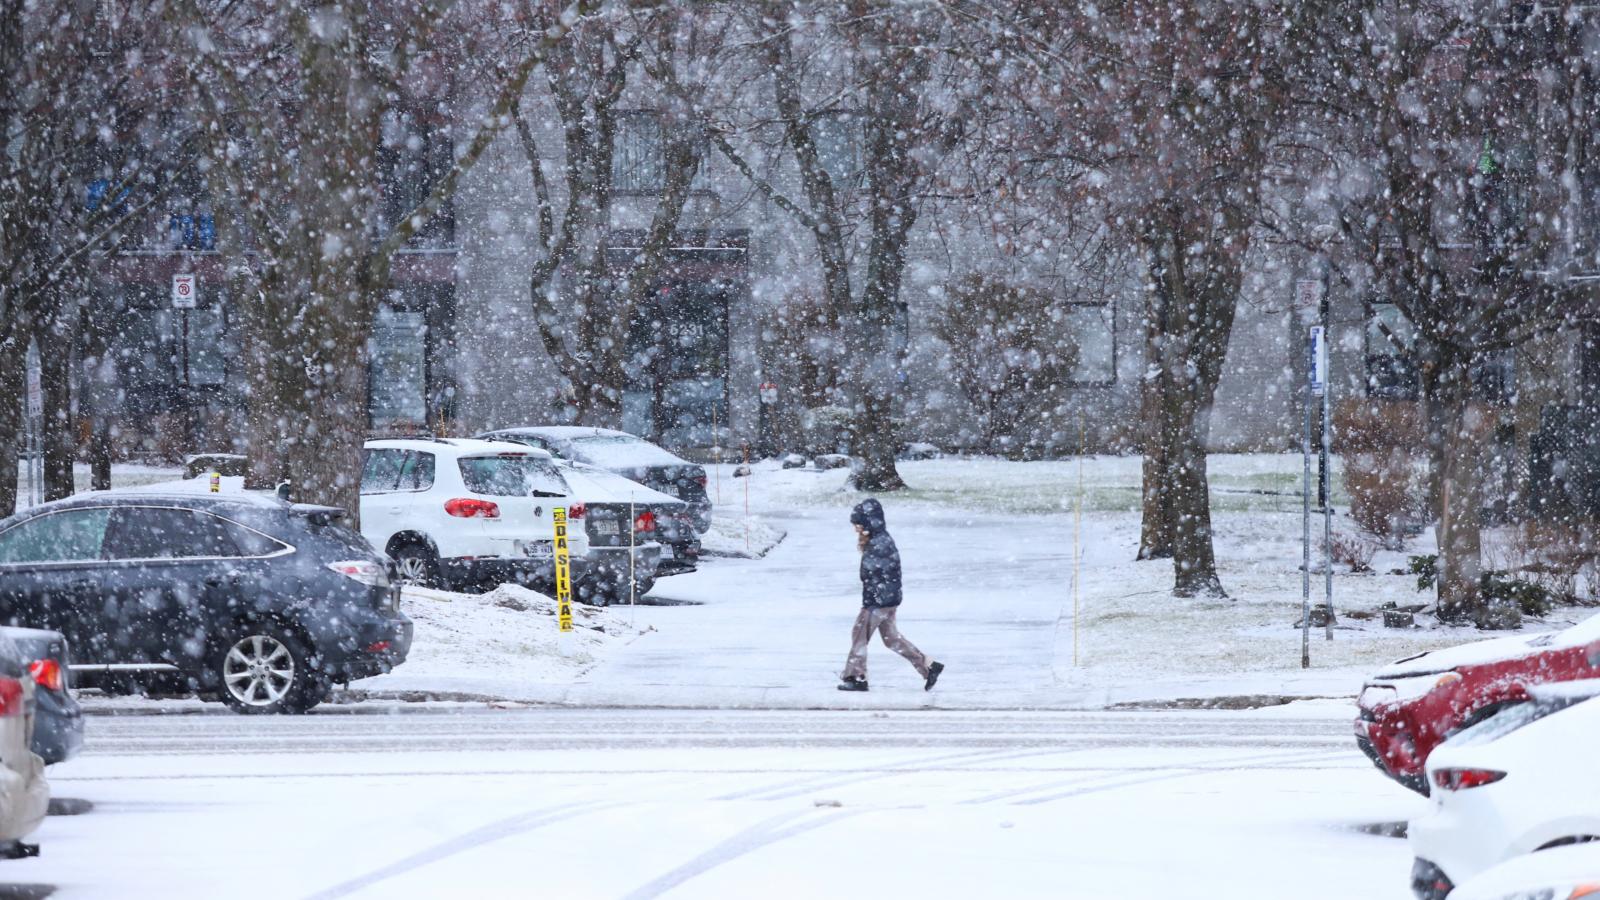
x=563, y=570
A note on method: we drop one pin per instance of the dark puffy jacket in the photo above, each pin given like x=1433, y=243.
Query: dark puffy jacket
x=880, y=561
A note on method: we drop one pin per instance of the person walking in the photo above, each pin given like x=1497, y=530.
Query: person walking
x=880, y=599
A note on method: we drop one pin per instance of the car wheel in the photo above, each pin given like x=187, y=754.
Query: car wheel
x=418, y=565
x=263, y=669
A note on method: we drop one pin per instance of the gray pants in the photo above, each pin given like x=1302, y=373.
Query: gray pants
x=881, y=621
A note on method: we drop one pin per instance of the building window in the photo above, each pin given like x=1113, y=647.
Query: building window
x=1093, y=324
x=1095, y=327
x=1391, y=370
x=398, y=376
x=638, y=162
x=639, y=154
x=415, y=155
x=837, y=137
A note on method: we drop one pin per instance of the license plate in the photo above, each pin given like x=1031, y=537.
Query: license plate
x=536, y=549
x=606, y=528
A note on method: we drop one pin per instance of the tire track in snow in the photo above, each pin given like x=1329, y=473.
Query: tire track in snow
x=764, y=833
x=478, y=837
x=1110, y=773
x=1134, y=782
x=843, y=777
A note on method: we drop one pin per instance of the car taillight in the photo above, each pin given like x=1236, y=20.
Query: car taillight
x=12, y=699
x=472, y=508
x=1462, y=779
x=47, y=674
x=365, y=571
x=645, y=521
x=700, y=479
x=577, y=511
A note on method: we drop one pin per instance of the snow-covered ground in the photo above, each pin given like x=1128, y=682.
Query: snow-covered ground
x=991, y=590
x=583, y=804
x=988, y=552
x=764, y=779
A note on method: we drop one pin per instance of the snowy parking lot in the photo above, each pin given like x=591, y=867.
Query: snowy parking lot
x=412, y=802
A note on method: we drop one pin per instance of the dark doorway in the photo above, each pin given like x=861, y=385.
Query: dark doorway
x=678, y=365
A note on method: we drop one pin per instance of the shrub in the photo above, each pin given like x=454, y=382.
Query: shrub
x=1012, y=354
x=1382, y=471
x=1354, y=551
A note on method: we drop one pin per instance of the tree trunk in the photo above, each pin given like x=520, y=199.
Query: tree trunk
x=1155, y=528
x=1196, y=279
x=58, y=434
x=13, y=363
x=1194, y=560
x=1466, y=426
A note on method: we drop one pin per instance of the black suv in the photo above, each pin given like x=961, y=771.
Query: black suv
x=247, y=599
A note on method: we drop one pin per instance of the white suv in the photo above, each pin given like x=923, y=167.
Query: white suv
x=458, y=513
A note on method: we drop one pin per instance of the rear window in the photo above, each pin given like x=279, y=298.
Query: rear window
x=510, y=475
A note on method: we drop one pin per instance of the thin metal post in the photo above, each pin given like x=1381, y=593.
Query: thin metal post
x=1077, y=556
x=188, y=390
x=1327, y=509
x=1305, y=538
x=633, y=549
x=30, y=444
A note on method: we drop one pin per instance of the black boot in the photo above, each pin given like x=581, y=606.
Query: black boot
x=933, y=675
x=853, y=684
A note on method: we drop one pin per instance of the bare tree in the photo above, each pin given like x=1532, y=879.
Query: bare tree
x=83, y=159
x=890, y=71
x=583, y=305
x=292, y=100
x=1461, y=164
x=1163, y=116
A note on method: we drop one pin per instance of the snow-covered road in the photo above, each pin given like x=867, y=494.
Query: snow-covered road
x=432, y=802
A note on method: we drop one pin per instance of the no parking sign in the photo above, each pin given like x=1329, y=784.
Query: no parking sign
x=184, y=290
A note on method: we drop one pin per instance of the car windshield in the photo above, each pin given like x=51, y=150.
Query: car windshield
x=511, y=475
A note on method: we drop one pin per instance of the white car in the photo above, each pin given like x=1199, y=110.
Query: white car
x=458, y=513
x=1520, y=781
x=24, y=792
x=624, y=454
x=1571, y=872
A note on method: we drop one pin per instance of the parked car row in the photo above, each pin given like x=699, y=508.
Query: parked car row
x=1498, y=734
x=472, y=513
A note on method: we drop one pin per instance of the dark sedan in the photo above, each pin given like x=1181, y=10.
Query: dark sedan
x=624, y=454
x=244, y=598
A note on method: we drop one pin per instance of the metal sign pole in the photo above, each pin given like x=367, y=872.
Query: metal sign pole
x=1327, y=509
x=1305, y=540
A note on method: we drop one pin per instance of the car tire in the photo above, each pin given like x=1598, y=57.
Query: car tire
x=418, y=564
x=263, y=669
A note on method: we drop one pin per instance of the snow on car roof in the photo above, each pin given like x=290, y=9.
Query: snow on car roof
x=603, y=446
x=461, y=446
x=568, y=432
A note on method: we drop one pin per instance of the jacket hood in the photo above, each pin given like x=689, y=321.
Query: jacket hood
x=869, y=515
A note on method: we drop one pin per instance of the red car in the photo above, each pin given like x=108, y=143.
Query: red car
x=1411, y=706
